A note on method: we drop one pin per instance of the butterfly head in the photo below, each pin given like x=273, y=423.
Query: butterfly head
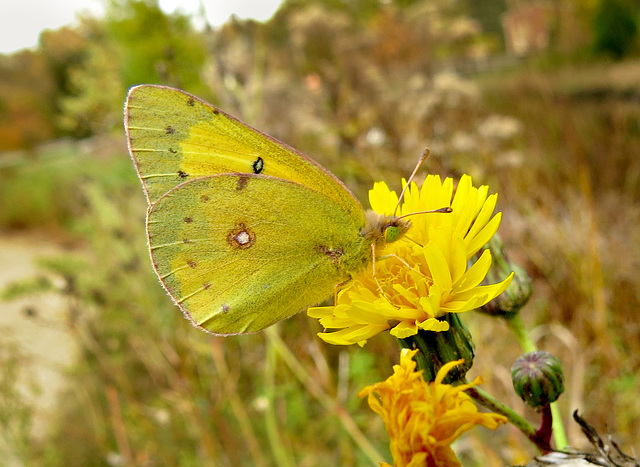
x=381, y=229
x=396, y=229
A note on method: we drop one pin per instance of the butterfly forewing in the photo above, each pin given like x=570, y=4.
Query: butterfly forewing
x=175, y=137
x=240, y=252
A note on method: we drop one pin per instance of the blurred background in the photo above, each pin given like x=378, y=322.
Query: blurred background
x=537, y=99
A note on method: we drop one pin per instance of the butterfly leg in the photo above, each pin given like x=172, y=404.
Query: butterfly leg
x=336, y=289
x=373, y=266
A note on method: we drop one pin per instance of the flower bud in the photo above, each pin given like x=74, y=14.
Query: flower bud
x=537, y=378
x=442, y=347
x=518, y=292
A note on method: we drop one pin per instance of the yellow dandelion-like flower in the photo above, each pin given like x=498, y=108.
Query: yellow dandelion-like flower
x=425, y=274
x=424, y=419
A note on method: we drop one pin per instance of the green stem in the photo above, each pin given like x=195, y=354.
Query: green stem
x=516, y=324
x=493, y=404
x=559, y=435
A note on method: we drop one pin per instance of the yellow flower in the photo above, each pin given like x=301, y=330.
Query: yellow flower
x=423, y=419
x=425, y=274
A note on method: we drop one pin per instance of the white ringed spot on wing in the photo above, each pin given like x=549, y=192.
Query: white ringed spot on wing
x=241, y=237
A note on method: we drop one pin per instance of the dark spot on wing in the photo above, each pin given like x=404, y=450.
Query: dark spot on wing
x=170, y=130
x=334, y=254
x=258, y=165
x=173, y=151
x=204, y=198
x=182, y=174
x=191, y=102
x=192, y=263
x=241, y=237
x=216, y=111
x=188, y=220
x=242, y=183
x=206, y=285
x=186, y=240
x=225, y=308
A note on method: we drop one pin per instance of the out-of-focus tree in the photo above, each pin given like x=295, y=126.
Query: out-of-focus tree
x=154, y=47
x=26, y=115
x=488, y=13
x=136, y=43
x=93, y=107
x=62, y=50
x=616, y=26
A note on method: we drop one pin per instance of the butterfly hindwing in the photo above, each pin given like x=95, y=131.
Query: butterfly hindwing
x=238, y=252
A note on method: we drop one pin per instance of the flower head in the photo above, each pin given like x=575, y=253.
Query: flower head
x=423, y=419
x=425, y=274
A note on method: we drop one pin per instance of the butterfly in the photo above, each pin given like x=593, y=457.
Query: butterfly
x=243, y=230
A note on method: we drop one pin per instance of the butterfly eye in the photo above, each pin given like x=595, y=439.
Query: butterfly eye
x=392, y=233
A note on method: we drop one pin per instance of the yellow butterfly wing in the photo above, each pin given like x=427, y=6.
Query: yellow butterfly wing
x=174, y=137
x=239, y=252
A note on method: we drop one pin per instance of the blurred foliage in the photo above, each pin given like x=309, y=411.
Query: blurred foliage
x=15, y=414
x=96, y=93
x=62, y=50
x=26, y=117
x=615, y=25
x=363, y=87
x=151, y=46
x=41, y=190
x=489, y=14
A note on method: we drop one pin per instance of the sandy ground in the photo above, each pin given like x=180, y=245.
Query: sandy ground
x=37, y=327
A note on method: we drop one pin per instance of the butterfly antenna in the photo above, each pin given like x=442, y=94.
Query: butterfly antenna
x=440, y=210
x=424, y=156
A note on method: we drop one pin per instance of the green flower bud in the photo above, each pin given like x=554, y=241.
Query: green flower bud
x=518, y=292
x=537, y=378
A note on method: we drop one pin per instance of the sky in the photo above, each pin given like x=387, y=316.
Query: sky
x=22, y=20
